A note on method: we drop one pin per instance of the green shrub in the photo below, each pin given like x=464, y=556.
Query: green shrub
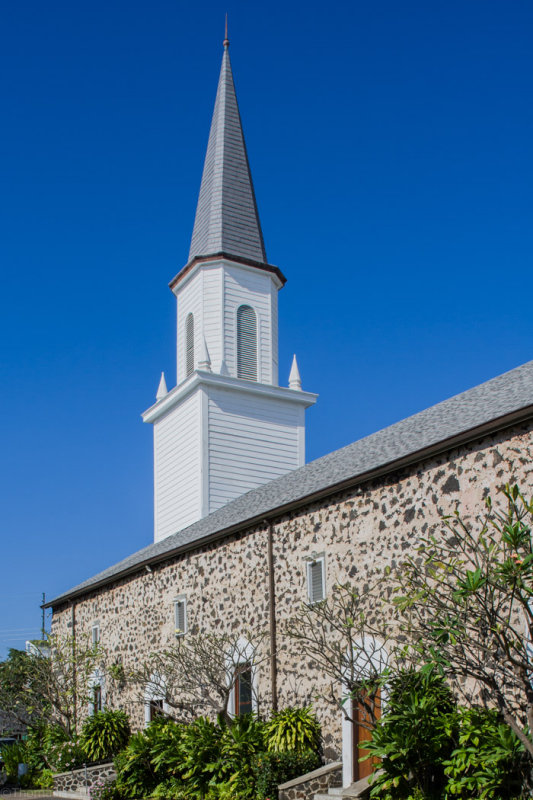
x=165, y=748
x=414, y=737
x=199, y=750
x=136, y=774
x=35, y=748
x=44, y=779
x=65, y=756
x=12, y=756
x=104, y=734
x=271, y=769
x=292, y=730
x=170, y=789
x=241, y=740
x=489, y=762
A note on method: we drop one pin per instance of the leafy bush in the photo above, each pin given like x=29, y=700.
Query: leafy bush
x=104, y=734
x=200, y=753
x=44, y=779
x=165, y=754
x=136, y=773
x=12, y=756
x=65, y=756
x=241, y=740
x=489, y=762
x=414, y=737
x=292, y=730
x=271, y=769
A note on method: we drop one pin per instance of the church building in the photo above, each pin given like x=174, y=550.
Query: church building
x=245, y=531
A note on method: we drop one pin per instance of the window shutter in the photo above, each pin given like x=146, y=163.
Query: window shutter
x=316, y=581
x=180, y=617
x=246, y=343
x=189, y=345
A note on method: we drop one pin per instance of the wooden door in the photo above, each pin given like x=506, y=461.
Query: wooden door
x=362, y=732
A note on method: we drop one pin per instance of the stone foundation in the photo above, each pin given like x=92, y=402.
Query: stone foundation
x=79, y=781
x=316, y=782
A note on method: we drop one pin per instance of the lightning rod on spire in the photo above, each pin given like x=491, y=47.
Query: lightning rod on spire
x=226, y=40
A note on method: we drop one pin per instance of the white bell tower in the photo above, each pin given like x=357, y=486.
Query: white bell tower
x=226, y=427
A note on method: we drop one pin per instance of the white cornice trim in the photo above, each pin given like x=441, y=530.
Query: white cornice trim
x=225, y=262
x=199, y=378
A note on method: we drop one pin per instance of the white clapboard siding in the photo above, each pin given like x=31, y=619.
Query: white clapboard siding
x=274, y=333
x=189, y=302
x=251, y=441
x=177, y=473
x=212, y=300
x=243, y=287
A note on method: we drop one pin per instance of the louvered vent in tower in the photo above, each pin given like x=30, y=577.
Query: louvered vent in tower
x=189, y=344
x=246, y=343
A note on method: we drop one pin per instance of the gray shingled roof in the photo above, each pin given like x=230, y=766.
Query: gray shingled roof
x=488, y=406
x=226, y=216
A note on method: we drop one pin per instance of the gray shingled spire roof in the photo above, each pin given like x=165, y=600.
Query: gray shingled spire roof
x=226, y=216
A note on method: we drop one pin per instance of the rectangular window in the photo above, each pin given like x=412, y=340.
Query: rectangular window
x=97, y=699
x=243, y=689
x=180, y=616
x=155, y=709
x=316, y=580
x=95, y=634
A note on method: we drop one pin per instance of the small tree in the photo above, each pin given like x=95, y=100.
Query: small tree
x=198, y=674
x=466, y=605
x=49, y=688
x=346, y=638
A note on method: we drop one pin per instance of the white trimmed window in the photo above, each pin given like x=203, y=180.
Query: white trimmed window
x=189, y=345
x=180, y=615
x=242, y=676
x=246, y=343
x=316, y=579
x=95, y=633
x=155, y=704
x=96, y=685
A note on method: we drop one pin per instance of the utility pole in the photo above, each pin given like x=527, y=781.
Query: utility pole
x=43, y=629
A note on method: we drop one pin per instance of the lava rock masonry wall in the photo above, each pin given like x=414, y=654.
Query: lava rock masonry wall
x=360, y=531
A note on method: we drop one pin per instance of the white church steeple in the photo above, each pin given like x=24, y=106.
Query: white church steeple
x=227, y=426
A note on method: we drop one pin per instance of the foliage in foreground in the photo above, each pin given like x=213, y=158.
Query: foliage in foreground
x=39, y=689
x=104, y=734
x=433, y=750
x=465, y=601
x=415, y=736
x=292, y=730
x=223, y=760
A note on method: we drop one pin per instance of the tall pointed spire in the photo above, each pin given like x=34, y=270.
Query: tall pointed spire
x=226, y=216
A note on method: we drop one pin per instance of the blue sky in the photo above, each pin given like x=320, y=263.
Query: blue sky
x=390, y=146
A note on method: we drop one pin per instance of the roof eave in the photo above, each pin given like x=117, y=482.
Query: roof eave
x=248, y=262
x=499, y=423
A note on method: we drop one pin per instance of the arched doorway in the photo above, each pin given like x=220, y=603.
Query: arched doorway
x=368, y=660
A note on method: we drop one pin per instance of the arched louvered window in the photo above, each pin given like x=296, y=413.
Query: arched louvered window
x=246, y=343
x=189, y=345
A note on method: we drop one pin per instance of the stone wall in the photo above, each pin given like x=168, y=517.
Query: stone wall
x=80, y=780
x=359, y=530
x=318, y=781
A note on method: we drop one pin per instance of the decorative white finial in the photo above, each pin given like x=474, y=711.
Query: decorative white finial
x=162, y=388
x=204, y=362
x=295, y=382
